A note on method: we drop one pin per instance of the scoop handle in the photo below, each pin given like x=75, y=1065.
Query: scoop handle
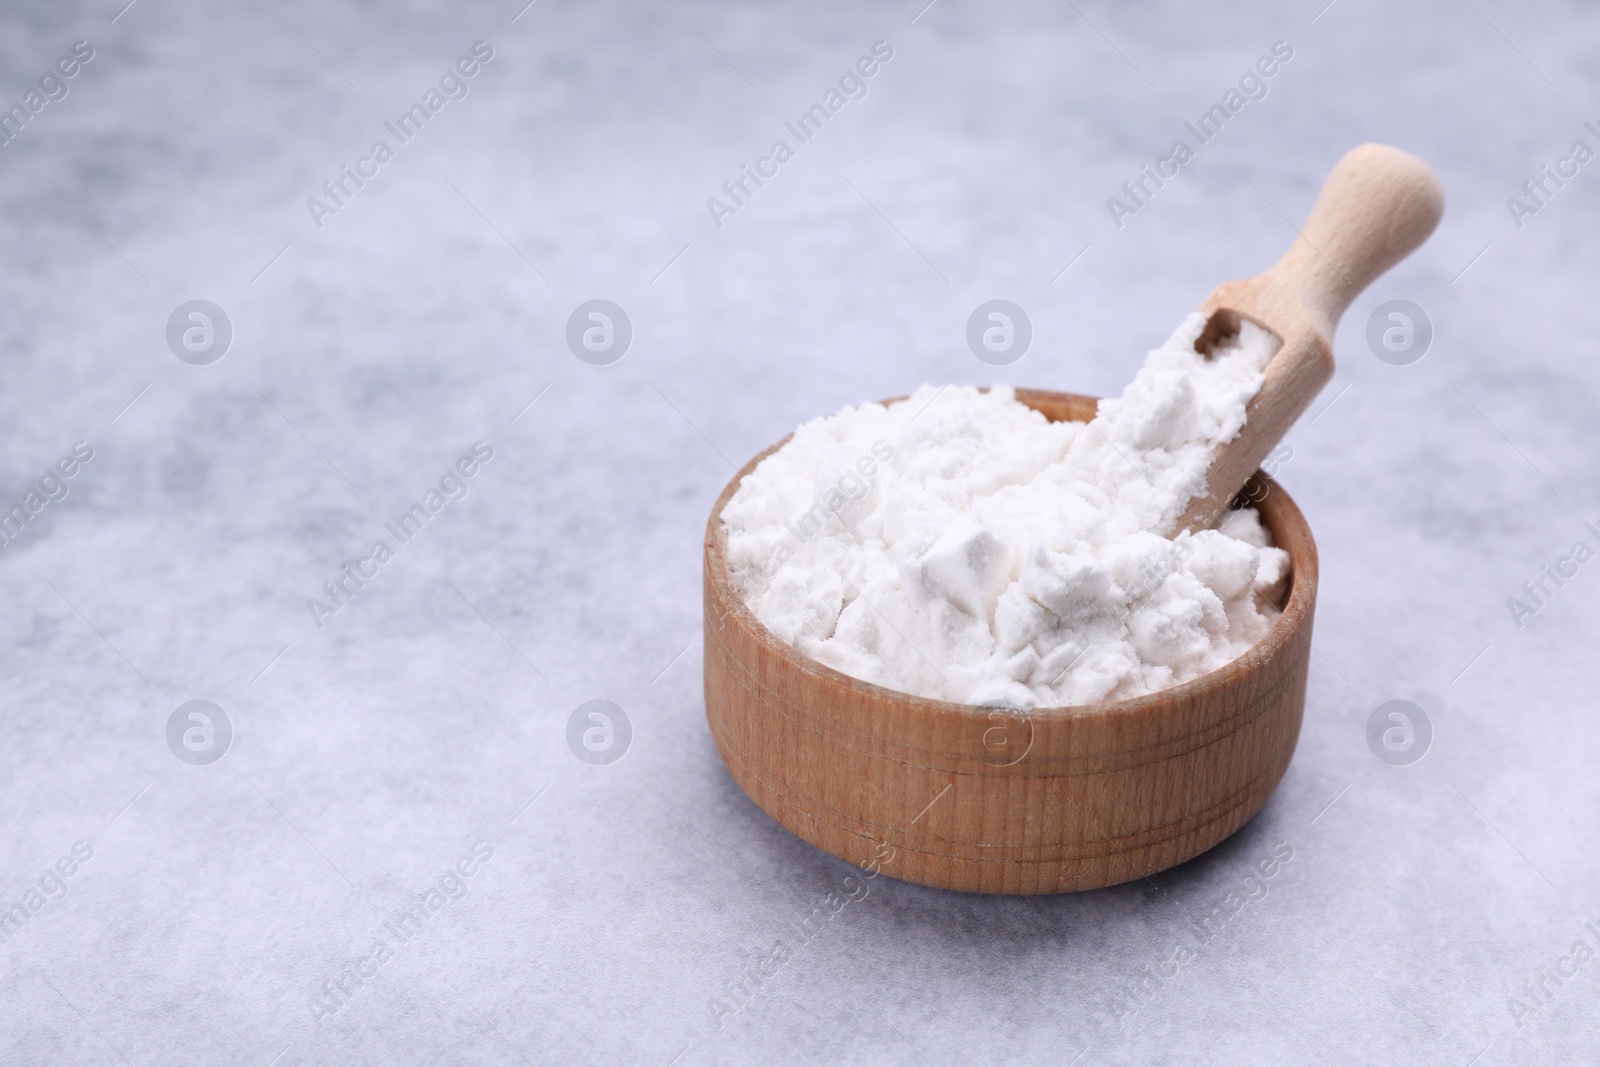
x=1377, y=206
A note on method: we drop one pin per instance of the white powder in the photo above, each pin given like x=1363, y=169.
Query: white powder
x=957, y=545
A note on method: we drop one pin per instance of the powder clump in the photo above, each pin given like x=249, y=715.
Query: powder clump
x=960, y=546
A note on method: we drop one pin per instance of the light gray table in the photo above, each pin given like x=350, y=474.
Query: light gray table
x=221, y=902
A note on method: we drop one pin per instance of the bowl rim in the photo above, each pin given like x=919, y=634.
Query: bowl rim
x=1297, y=606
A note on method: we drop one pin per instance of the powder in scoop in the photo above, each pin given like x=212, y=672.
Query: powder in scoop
x=960, y=546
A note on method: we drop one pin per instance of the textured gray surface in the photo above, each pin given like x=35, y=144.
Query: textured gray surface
x=423, y=717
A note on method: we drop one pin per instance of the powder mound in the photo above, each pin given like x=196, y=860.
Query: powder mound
x=957, y=545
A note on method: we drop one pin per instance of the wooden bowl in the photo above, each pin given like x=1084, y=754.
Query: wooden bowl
x=990, y=801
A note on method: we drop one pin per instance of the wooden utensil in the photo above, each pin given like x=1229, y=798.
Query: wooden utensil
x=1378, y=204
x=992, y=801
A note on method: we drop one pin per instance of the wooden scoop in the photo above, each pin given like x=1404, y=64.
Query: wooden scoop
x=1377, y=205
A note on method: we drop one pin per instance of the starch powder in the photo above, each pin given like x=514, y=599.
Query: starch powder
x=957, y=545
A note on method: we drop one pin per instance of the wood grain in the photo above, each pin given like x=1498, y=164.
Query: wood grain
x=977, y=799
x=1378, y=204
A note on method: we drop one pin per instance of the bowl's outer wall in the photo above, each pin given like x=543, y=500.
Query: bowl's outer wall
x=986, y=801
